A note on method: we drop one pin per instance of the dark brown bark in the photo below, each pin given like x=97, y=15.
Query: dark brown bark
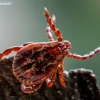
x=80, y=85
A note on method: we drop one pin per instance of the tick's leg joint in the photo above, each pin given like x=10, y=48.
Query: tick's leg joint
x=60, y=71
x=84, y=57
x=9, y=50
x=14, y=48
x=48, y=30
x=52, y=26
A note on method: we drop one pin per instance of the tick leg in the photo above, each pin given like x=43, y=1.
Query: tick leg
x=50, y=81
x=60, y=71
x=84, y=57
x=9, y=50
x=30, y=89
x=15, y=49
x=48, y=30
x=52, y=26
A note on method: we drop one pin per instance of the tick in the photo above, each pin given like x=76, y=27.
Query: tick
x=38, y=62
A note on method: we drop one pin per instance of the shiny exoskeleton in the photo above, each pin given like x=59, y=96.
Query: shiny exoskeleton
x=35, y=63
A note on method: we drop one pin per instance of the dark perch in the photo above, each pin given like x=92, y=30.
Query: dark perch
x=80, y=85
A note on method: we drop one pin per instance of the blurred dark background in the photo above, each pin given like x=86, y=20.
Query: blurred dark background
x=78, y=20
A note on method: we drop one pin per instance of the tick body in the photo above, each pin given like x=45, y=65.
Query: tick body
x=35, y=63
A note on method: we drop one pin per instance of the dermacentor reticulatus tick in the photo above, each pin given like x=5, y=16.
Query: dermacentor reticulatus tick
x=35, y=63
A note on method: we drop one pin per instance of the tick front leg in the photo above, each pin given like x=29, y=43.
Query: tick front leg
x=52, y=26
x=60, y=71
x=30, y=89
x=84, y=57
x=48, y=29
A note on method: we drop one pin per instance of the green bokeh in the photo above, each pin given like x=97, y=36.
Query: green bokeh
x=78, y=20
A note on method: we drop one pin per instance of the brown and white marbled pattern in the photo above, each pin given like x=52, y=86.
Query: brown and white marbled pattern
x=33, y=62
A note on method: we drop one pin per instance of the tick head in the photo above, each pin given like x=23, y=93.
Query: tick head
x=67, y=44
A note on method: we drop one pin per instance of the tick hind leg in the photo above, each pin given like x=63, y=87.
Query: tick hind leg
x=60, y=71
x=15, y=49
x=52, y=26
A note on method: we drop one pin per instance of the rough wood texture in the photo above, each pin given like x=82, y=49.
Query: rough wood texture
x=80, y=85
